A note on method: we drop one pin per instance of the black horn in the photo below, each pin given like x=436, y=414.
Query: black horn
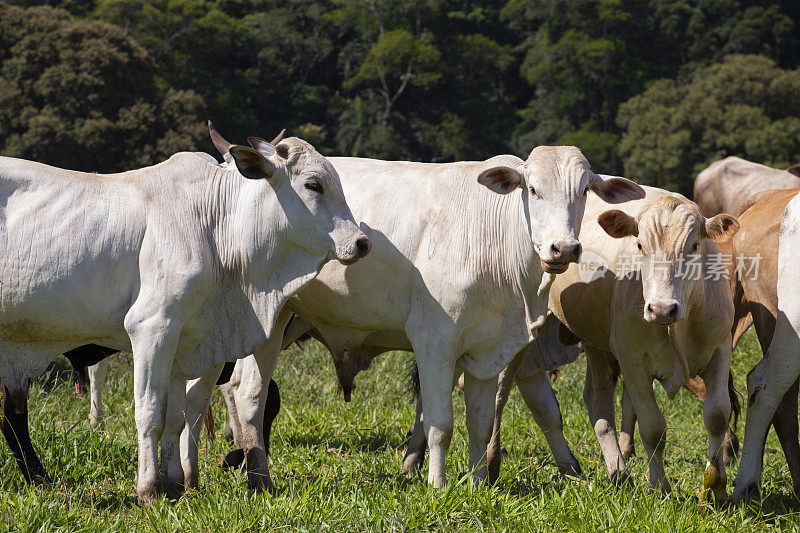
x=279, y=138
x=220, y=143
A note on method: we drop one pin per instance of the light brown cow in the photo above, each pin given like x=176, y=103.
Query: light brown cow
x=756, y=300
x=727, y=184
x=640, y=316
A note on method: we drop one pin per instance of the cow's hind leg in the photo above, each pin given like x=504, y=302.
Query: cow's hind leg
x=97, y=380
x=785, y=422
x=543, y=404
x=479, y=397
x=14, y=425
x=172, y=475
x=198, y=396
x=628, y=425
x=598, y=394
x=417, y=443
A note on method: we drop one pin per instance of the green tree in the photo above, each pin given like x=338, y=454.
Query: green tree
x=82, y=95
x=745, y=106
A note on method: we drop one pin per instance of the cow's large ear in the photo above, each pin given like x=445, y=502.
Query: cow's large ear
x=613, y=189
x=501, y=180
x=618, y=224
x=251, y=163
x=263, y=147
x=721, y=227
x=794, y=169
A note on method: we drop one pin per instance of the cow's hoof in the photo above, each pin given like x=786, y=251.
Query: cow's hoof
x=621, y=478
x=571, y=469
x=748, y=494
x=234, y=459
x=412, y=463
x=147, y=494
x=260, y=482
x=173, y=490
x=714, y=482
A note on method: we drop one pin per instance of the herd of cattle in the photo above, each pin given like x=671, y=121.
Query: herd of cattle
x=496, y=271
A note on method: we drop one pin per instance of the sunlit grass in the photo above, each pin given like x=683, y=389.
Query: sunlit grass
x=336, y=465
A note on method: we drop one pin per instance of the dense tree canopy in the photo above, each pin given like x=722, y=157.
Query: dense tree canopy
x=81, y=95
x=430, y=80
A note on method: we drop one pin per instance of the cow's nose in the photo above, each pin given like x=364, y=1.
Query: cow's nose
x=662, y=312
x=363, y=246
x=566, y=251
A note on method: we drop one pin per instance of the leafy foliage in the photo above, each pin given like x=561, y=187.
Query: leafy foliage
x=430, y=80
x=745, y=105
x=81, y=95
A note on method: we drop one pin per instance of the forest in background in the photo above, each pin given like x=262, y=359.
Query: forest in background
x=651, y=89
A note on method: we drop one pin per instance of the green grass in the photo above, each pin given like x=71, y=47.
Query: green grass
x=336, y=465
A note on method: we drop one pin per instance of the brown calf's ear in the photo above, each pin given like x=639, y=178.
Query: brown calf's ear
x=251, y=163
x=615, y=190
x=794, y=169
x=618, y=224
x=501, y=180
x=565, y=336
x=721, y=228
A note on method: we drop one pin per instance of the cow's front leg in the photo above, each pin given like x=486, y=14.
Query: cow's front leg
x=598, y=394
x=172, y=476
x=154, y=340
x=479, y=398
x=716, y=414
x=543, y=404
x=436, y=377
x=198, y=396
x=652, y=426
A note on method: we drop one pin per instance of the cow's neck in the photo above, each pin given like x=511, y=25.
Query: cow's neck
x=512, y=258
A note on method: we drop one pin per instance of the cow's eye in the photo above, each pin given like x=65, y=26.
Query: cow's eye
x=314, y=186
x=639, y=246
x=694, y=247
x=533, y=191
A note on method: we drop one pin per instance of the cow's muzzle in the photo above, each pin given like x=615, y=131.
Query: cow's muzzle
x=354, y=250
x=560, y=254
x=663, y=312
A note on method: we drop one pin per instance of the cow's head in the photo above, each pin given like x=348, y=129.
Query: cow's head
x=308, y=189
x=555, y=181
x=670, y=239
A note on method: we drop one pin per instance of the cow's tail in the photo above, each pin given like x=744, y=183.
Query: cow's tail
x=733, y=394
x=413, y=377
x=208, y=422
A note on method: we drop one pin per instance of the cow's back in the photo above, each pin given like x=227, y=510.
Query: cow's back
x=726, y=184
x=65, y=238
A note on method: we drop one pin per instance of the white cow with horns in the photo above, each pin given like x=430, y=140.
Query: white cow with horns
x=186, y=264
x=456, y=274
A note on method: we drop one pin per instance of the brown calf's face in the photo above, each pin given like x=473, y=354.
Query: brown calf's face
x=669, y=240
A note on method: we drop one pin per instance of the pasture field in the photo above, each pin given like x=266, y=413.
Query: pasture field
x=336, y=465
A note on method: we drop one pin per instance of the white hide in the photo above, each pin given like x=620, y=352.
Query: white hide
x=185, y=263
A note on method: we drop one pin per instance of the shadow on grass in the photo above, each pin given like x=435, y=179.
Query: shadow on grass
x=366, y=441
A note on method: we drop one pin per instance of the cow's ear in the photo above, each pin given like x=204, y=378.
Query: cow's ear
x=263, y=147
x=794, y=169
x=721, y=227
x=251, y=163
x=501, y=180
x=613, y=189
x=618, y=224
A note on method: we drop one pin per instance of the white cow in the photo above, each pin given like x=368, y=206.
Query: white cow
x=456, y=274
x=186, y=264
x=772, y=377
